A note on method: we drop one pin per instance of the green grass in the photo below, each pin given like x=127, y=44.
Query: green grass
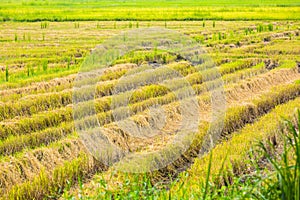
x=153, y=3
x=147, y=10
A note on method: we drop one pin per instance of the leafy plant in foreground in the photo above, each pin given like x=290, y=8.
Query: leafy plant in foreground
x=287, y=167
x=282, y=182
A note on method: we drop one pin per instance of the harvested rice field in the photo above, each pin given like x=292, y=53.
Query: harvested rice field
x=171, y=128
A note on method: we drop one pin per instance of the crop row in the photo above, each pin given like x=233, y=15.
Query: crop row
x=55, y=85
x=48, y=119
x=59, y=84
x=236, y=150
x=50, y=169
x=236, y=118
x=265, y=103
x=114, y=72
x=36, y=103
x=53, y=118
x=35, y=79
x=16, y=143
x=237, y=93
x=246, y=114
x=21, y=135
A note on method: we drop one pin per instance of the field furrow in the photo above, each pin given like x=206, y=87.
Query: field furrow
x=62, y=118
x=238, y=116
x=149, y=109
x=237, y=149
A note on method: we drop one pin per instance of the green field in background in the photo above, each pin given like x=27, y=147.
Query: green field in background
x=82, y=10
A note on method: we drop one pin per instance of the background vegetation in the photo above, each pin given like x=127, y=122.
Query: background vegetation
x=78, y=10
